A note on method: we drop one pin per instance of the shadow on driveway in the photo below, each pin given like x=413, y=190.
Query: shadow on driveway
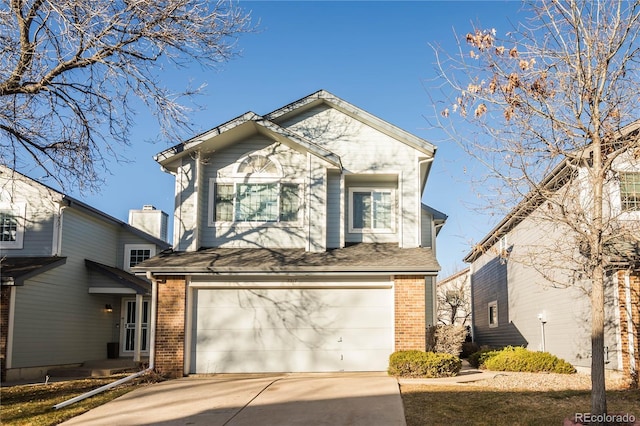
x=239, y=400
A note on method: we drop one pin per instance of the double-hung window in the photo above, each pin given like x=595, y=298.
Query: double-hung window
x=372, y=210
x=630, y=191
x=12, y=225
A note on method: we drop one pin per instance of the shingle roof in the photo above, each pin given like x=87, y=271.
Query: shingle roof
x=15, y=270
x=123, y=277
x=358, y=258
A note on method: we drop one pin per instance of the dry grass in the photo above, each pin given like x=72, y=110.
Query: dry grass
x=33, y=404
x=484, y=404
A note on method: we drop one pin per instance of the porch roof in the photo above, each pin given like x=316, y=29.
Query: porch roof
x=123, y=278
x=15, y=270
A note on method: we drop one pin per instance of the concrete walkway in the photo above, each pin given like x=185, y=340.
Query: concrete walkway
x=248, y=400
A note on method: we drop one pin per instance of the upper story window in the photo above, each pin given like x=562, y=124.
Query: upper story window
x=256, y=193
x=137, y=253
x=630, y=191
x=372, y=210
x=257, y=165
x=12, y=225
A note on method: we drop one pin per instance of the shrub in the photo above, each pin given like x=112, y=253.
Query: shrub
x=521, y=359
x=423, y=364
x=469, y=348
x=446, y=339
x=477, y=359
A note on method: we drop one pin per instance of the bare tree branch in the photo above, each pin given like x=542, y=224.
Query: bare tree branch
x=70, y=69
x=554, y=107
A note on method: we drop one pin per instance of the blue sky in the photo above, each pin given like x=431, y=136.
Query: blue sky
x=375, y=55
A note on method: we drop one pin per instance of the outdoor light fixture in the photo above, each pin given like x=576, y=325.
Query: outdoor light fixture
x=108, y=308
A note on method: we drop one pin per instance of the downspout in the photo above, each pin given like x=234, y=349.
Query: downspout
x=154, y=297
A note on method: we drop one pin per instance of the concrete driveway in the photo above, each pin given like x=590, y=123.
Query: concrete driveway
x=275, y=399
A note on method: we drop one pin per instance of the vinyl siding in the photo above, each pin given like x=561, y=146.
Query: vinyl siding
x=221, y=165
x=56, y=320
x=523, y=293
x=41, y=208
x=365, y=150
x=426, y=228
x=333, y=209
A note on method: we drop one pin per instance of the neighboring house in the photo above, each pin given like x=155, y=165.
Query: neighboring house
x=301, y=244
x=454, y=299
x=66, y=293
x=516, y=303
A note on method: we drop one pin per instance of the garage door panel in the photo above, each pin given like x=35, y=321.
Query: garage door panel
x=275, y=330
x=270, y=362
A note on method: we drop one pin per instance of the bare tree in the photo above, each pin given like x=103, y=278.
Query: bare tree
x=553, y=105
x=72, y=71
x=454, y=299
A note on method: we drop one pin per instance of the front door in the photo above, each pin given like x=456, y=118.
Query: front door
x=129, y=310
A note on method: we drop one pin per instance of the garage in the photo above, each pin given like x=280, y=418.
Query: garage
x=291, y=327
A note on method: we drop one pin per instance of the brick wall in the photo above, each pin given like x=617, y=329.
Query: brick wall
x=5, y=295
x=409, y=312
x=170, y=327
x=635, y=322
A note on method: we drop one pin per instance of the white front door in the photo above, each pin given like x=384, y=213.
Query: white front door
x=128, y=337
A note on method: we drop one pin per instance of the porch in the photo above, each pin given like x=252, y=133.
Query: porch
x=100, y=368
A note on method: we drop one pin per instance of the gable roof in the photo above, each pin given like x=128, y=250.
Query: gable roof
x=358, y=258
x=323, y=97
x=240, y=127
x=553, y=181
x=269, y=125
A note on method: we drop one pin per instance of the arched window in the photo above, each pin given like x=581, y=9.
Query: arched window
x=257, y=165
x=256, y=193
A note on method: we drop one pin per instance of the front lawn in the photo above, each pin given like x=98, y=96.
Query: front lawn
x=478, y=405
x=33, y=404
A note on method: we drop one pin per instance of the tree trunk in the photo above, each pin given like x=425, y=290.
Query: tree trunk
x=598, y=395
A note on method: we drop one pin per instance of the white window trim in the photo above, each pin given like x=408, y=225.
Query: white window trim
x=494, y=305
x=19, y=210
x=372, y=189
x=129, y=247
x=252, y=180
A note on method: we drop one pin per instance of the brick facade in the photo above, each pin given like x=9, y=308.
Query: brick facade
x=410, y=325
x=5, y=296
x=634, y=310
x=170, y=326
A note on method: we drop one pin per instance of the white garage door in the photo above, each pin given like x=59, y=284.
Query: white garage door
x=291, y=330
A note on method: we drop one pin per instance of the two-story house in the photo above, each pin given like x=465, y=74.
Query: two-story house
x=67, y=295
x=301, y=244
x=521, y=293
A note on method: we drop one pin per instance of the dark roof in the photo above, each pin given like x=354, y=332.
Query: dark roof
x=123, y=277
x=358, y=258
x=15, y=270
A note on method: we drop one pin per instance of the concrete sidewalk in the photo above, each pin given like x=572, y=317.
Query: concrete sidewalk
x=249, y=400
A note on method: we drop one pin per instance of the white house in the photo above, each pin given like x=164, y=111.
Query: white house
x=301, y=244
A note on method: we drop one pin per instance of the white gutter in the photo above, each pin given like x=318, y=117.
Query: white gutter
x=154, y=292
